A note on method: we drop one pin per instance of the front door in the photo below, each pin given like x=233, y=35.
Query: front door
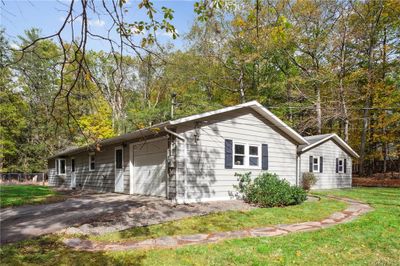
x=119, y=170
x=73, y=175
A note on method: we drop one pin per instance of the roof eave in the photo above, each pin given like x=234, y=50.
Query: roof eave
x=338, y=139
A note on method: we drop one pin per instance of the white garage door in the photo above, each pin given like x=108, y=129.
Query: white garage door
x=149, y=168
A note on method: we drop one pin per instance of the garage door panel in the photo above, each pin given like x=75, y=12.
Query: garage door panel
x=149, y=168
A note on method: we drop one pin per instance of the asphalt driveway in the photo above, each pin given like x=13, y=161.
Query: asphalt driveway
x=97, y=214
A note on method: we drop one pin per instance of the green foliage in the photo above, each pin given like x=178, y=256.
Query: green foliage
x=308, y=180
x=267, y=190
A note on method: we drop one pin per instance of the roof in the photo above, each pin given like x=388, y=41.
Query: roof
x=316, y=140
x=256, y=106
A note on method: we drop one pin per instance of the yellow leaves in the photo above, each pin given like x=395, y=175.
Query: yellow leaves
x=238, y=22
x=98, y=125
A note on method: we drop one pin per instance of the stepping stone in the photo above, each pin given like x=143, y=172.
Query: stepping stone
x=295, y=227
x=146, y=243
x=267, y=231
x=192, y=238
x=167, y=241
x=338, y=216
x=239, y=234
x=79, y=243
x=328, y=221
x=214, y=237
x=354, y=208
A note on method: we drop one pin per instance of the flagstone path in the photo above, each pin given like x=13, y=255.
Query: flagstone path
x=354, y=210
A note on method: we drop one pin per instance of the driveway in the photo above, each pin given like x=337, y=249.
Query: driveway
x=97, y=214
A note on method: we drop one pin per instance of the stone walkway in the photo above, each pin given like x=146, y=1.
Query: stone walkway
x=354, y=210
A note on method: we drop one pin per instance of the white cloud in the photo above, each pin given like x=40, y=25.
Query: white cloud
x=15, y=46
x=91, y=22
x=96, y=22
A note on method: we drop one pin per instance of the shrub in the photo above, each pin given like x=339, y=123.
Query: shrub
x=308, y=180
x=267, y=190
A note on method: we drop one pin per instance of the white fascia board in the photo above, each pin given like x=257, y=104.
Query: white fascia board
x=210, y=113
x=280, y=124
x=256, y=107
x=338, y=139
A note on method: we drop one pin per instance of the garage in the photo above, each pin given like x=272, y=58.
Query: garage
x=148, y=174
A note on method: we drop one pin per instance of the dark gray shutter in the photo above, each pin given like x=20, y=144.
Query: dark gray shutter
x=337, y=165
x=311, y=164
x=344, y=166
x=264, y=154
x=321, y=164
x=228, y=154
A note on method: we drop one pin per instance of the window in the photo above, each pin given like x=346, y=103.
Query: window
x=118, y=159
x=61, y=166
x=92, y=164
x=246, y=155
x=253, y=155
x=73, y=165
x=315, y=164
x=341, y=166
x=239, y=154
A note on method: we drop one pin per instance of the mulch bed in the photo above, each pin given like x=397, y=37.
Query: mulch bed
x=375, y=182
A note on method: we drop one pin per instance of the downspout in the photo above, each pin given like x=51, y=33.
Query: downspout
x=185, y=154
x=297, y=168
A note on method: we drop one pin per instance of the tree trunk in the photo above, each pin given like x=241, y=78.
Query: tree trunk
x=241, y=87
x=342, y=74
x=318, y=109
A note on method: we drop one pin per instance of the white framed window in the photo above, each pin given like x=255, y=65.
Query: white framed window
x=254, y=155
x=246, y=155
x=92, y=162
x=61, y=166
x=239, y=154
x=341, y=166
x=315, y=164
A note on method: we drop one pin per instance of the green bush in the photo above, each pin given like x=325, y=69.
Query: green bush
x=267, y=190
x=308, y=180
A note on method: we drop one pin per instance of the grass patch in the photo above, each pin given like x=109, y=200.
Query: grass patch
x=372, y=239
x=229, y=220
x=16, y=195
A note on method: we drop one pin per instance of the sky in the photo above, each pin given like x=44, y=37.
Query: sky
x=18, y=15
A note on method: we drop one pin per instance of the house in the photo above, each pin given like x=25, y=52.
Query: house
x=329, y=158
x=195, y=158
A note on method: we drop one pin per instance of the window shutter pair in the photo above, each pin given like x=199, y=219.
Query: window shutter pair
x=321, y=164
x=229, y=155
x=344, y=165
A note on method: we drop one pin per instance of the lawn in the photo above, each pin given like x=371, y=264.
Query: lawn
x=373, y=238
x=16, y=195
x=230, y=220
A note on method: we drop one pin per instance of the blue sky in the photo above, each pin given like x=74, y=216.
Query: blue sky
x=19, y=15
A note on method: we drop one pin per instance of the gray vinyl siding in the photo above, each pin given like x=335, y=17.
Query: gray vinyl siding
x=206, y=173
x=329, y=150
x=101, y=179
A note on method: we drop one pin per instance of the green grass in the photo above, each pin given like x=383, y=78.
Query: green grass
x=229, y=220
x=16, y=195
x=372, y=239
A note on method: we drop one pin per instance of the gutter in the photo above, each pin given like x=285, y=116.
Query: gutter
x=185, y=155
